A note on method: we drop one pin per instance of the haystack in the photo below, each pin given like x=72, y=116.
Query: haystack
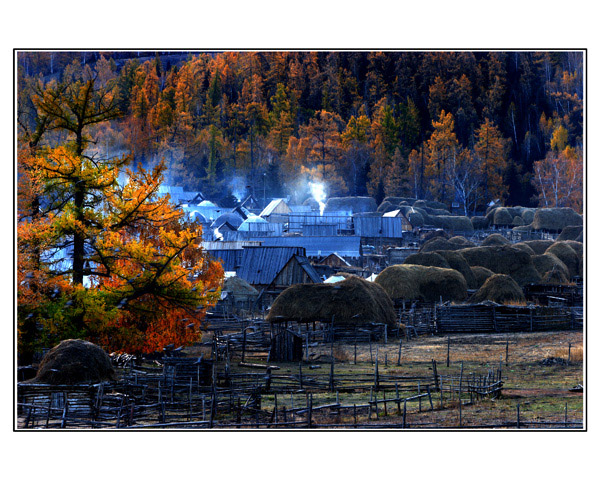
x=523, y=246
x=430, y=204
x=351, y=204
x=481, y=274
x=386, y=207
x=453, y=223
x=480, y=223
x=399, y=200
x=567, y=255
x=550, y=263
x=517, y=221
x=426, y=218
x=439, y=243
x=502, y=217
x=74, y=361
x=416, y=282
x=555, y=277
x=504, y=259
x=522, y=228
x=458, y=263
x=352, y=301
x=500, y=289
x=527, y=216
x=495, y=239
x=538, y=246
x=555, y=219
x=434, y=234
x=462, y=241
x=570, y=233
x=239, y=289
x=416, y=219
x=427, y=259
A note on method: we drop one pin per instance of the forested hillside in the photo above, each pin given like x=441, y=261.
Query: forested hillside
x=464, y=127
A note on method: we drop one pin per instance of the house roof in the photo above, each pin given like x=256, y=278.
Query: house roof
x=273, y=205
x=308, y=268
x=260, y=265
x=334, y=254
x=344, y=246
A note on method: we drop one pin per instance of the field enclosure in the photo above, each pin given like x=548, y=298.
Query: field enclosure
x=462, y=381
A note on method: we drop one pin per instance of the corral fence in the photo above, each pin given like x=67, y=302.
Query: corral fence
x=178, y=396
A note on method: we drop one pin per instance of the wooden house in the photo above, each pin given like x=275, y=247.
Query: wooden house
x=277, y=211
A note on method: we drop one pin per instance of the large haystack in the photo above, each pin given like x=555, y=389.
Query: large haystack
x=567, y=255
x=500, y=289
x=555, y=219
x=481, y=274
x=480, y=223
x=352, y=301
x=538, y=246
x=416, y=282
x=523, y=246
x=502, y=217
x=495, y=239
x=452, y=223
x=504, y=259
x=74, y=361
x=399, y=200
x=462, y=242
x=427, y=259
x=549, y=263
x=457, y=262
x=434, y=234
x=351, y=204
x=424, y=214
x=570, y=233
x=439, y=243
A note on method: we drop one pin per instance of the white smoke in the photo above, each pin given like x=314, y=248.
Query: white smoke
x=317, y=190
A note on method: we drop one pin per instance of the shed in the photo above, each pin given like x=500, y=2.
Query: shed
x=276, y=211
x=378, y=227
x=260, y=265
x=334, y=260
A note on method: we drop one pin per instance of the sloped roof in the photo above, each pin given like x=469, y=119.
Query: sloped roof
x=270, y=208
x=308, y=268
x=260, y=265
x=344, y=246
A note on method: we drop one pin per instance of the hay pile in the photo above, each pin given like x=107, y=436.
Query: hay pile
x=427, y=259
x=495, y=239
x=555, y=219
x=526, y=248
x=386, y=207
x=518, y=221
x=570, y=233
x=504, y=259
x=433, y=234
x=458, y=263
x=502, y=217
x=416, y=282
x=439, y=243
x=74, y=361
x=462, y=242
x=538, y=246
x=352, y=301
x=399, y=200
x=351, y=204
x=499, y=289
x=567, y=255
x=449, y=222
x=239, y=288
x=480, y=223
x=416, y=219
x=551, y=268
x=527, y=215
x=481, y=274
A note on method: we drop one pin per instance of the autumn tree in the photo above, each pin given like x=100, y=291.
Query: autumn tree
x=491, y=152
x=441, y=148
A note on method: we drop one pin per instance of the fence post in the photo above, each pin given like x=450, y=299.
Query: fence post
x=400, y=352
x=404, y=415
x=448, y=353
x=569, y=358
x=429, y=395
x=506, y=356
x=565, y=414
x=518, y=416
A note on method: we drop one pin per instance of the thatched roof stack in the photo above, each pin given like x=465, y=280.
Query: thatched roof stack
x=567, y=255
